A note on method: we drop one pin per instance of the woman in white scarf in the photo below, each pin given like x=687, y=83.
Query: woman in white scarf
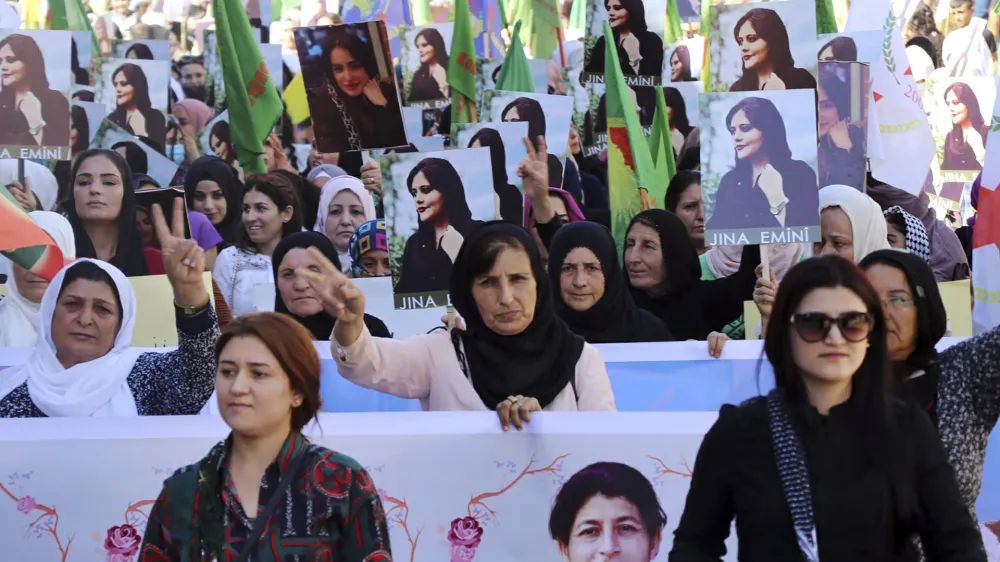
x=344, y=205
x=41, y=181
x=19, y=310
x=851, y=223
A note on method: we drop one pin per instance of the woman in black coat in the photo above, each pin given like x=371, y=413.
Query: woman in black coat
x=31, y=113
x=640, y=51
x=767, y=57
x=134, y=111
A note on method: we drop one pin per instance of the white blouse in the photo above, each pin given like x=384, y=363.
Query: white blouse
x=239, y=275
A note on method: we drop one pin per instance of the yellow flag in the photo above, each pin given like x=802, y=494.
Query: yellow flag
x=296, y=103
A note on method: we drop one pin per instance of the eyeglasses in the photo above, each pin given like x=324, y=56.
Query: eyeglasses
x=814, y=327
x=897, y=302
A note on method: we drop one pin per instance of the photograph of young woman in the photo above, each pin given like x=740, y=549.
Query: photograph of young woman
x=32, y=113
x=220, y=143
x=765, y=187
x=965, y=144
x=761, y=39
x=79, y=132
x=353, y=106
x=509, y=199
x=529, y=110
x=134, y=109
x=684, y=137
x=842, y=144
x=839, y=49
x=640, y=51
x=430, y=81
x=139, y=51
x=680, y=65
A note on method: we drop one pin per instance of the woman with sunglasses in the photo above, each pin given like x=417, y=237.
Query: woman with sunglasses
x=825, y=467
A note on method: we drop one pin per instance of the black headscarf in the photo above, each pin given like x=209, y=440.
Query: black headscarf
x=680, y=260
x=320, y=324
x=932, y=323
x=614, y=318
x=540, y=361
x=216, y=169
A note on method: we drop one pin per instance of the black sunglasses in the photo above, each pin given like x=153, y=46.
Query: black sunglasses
x=814, y=327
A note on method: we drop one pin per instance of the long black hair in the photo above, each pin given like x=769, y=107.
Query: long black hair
x=27, y=51
x=80, y=121
x=491, y=139
x=141, y=51
x=764, y=116
x=636, y=16
x=768, y=25
x=137, y=79
x=683, y=54
x=844, y=49
x=135, y=156
x=433, y=37
x=442, y=176
x=345, y=37
x=529, y=111
x=678, y=110
x=280, y=191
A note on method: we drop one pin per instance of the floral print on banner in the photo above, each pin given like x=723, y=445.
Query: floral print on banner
x=46, y=523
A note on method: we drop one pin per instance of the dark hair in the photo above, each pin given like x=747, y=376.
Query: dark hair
x=684, y=55
x=768, y=25
x=141, y=51
x=608, y=479
x=678, y=110
x=897, y=220
x=136, y=157
x=215, y=169
x=280, y=191
x=763, y=115
x=359, y=48
x=405, y=149
x=844, y=49
x=153, y=144
x=636, y=16
x=491, y=139
x=292, y=345
x=956, y=139
x=529, y=111
x=442, y=176
x=836, y=91
x=80, y=121
x=83, y=95
x=26, y=50
x=433, y=37
x=221, y=131
x=991, y=40
x=90, y=271
x=137, y=78
x=484, y=251
x=680, y=183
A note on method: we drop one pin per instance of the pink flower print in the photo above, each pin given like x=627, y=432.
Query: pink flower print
x=122, y=543
x=461, y=553
x=26, y=504
x=465, y=531
x=383, y=495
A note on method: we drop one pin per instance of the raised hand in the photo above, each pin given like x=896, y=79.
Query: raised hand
x=340, y=297
x=764, y=293
x=23, y=194
x=371, y=176
x=183, y=259
x=534, y=172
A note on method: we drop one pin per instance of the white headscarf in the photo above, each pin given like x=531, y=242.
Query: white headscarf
x=43, y=182
x=965, y=53
x=867, y=223
x=95, y=388
x=921, y=64
x=330, y=190
x=18, y=315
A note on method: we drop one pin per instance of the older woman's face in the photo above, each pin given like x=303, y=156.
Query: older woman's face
x=609, y=529
x=644, y=258
x=748, y=140
x=348, y=72
x=958, y=110
x=900, y=312
x=676, y=67
x=98, y=190
x=31, y=286
x=837, y=234
x=581, y=279
x=753, y=48
x=691, y=210
x=506, y=295
x=429, y=201
x=296, y=292
x=425, y=50
x=124, y=90
x=12, y=69
x=85, y=322
x=376, y=262
x=344, y=216
x=255, y=394
x=617, y=14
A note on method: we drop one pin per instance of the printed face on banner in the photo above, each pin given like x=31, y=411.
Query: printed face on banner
x=547, y=116
x=351, y=86
x=424, y=58
x=644, y=100
x=763, y=46
x=860, y=46
x=141, y=158
x=85, y=120
x=215, y=139
x=134, y=91
x=842, y=122
x=684, y=61
x=143, y=50
x=960, y=119
x=637, y=27
x=35, y=84
x=758, y=156
x=432, y=201
x=84, y=58
x=506, y=144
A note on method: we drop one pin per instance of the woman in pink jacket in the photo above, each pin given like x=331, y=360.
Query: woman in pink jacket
x=515, y=356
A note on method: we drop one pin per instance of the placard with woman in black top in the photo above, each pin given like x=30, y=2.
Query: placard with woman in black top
x=425, y=64
x=135, y=93
x=547, y=116
x=960, y=119
x=637, y=27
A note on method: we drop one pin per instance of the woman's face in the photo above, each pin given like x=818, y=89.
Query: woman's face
x=98, y=190
x=691, y=210
x=425, y=50
x=31, y=286
x=747, y=139
x=145, y=225
x=900, y=312
x=262, y=218
x=12, y=69
x=609, y=529
x=219, y=147
x=317, y=158
x=833, y=360
x=753, y=48
x=124, y=91
x=837, y=234
x=826, y=55
x=74, y=134
x=676, y=67
x=505, y=295
x=828, y=114
x=581, y=279
x=184, y=121
x=348, y=72
x=574, y=140
x=255, y=393
x=617, y=15
x=344, y=216
x=512, y=115
x=294, y=287
x=429, y=201
x=894, y=236
x=959, y=111
x=85, y=322
x=376, y=262
x=210, y=200
x=644, y=258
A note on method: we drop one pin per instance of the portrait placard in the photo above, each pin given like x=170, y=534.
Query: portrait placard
x=637, y=27
x=145, y=49
x=843, y=94
x=547, y=115
x=135, y=94
x=959, y=110
x=85, y=119
x=851, y=46
x=506, y=144
x=685, y=60
x=141, y=158
x=424, y=57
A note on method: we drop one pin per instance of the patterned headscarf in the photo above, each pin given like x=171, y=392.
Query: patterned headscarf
x=369, y=236
x=916, y=235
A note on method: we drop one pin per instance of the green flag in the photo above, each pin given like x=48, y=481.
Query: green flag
x=515, y=74
x=578, y=16
x=545, y=28
x=661, y=149
x=462, y=67
x=421, y=12
x=70, y=15
x=826, y=19
x=631, y=175
x=253, y=101
x=673, y=33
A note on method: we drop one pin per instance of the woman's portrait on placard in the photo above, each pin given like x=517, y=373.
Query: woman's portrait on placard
x=547, y=116
x=35, y=84
x=759, y=166
x=860, y=46
x=763, y=46
x=351, y=86
x=681, y=66
x=135, y=92
x=141, y=158
x=432, y=201
x=506, y=144
x=637, y=28
x=842, y=114
x=960, y=114
x=682, y=115
x=425, y=64
x=146, y=49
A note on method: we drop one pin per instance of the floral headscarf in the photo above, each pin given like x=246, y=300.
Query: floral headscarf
x=369, y=236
